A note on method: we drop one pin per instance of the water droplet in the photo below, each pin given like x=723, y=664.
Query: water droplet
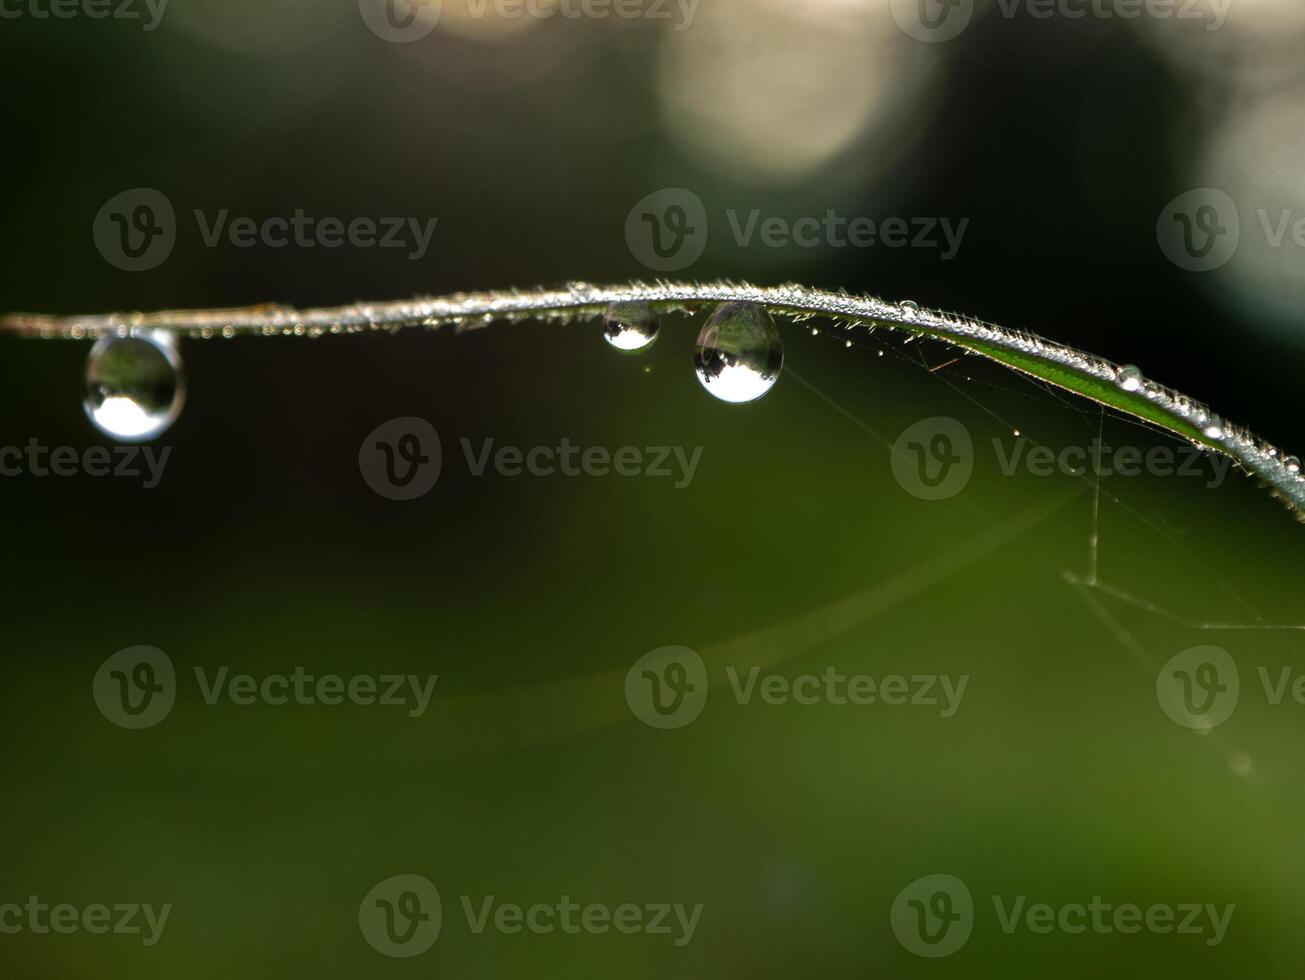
x=1212, y=427
x=910, y=304
x=1129, y=377
x=134, y=385
x=630, y=327
x=739, y=354
x=1291, y=464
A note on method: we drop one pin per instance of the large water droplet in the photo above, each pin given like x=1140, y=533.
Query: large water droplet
x=1291, y=464
x=1130, y=378
x=739, y=354
x=630, y=327
x=134, y=385
x=1212, y=427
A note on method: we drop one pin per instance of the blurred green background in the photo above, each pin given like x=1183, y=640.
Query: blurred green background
x=794, y=548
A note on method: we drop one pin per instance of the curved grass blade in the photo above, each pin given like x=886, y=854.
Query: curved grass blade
x=1073, y=370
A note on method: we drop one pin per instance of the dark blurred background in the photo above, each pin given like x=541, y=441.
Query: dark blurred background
x=1068, y=139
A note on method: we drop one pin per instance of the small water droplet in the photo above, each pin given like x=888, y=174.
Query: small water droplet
x=1291, y=464
x=739, y=353
x=1212, y=427
x=134, y=385
x=630, y=327
x=1129, y=377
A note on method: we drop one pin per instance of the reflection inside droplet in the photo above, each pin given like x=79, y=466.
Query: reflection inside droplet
x=739, y=354
x=134, y=385
x=1130, y=378
x=630, y=327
